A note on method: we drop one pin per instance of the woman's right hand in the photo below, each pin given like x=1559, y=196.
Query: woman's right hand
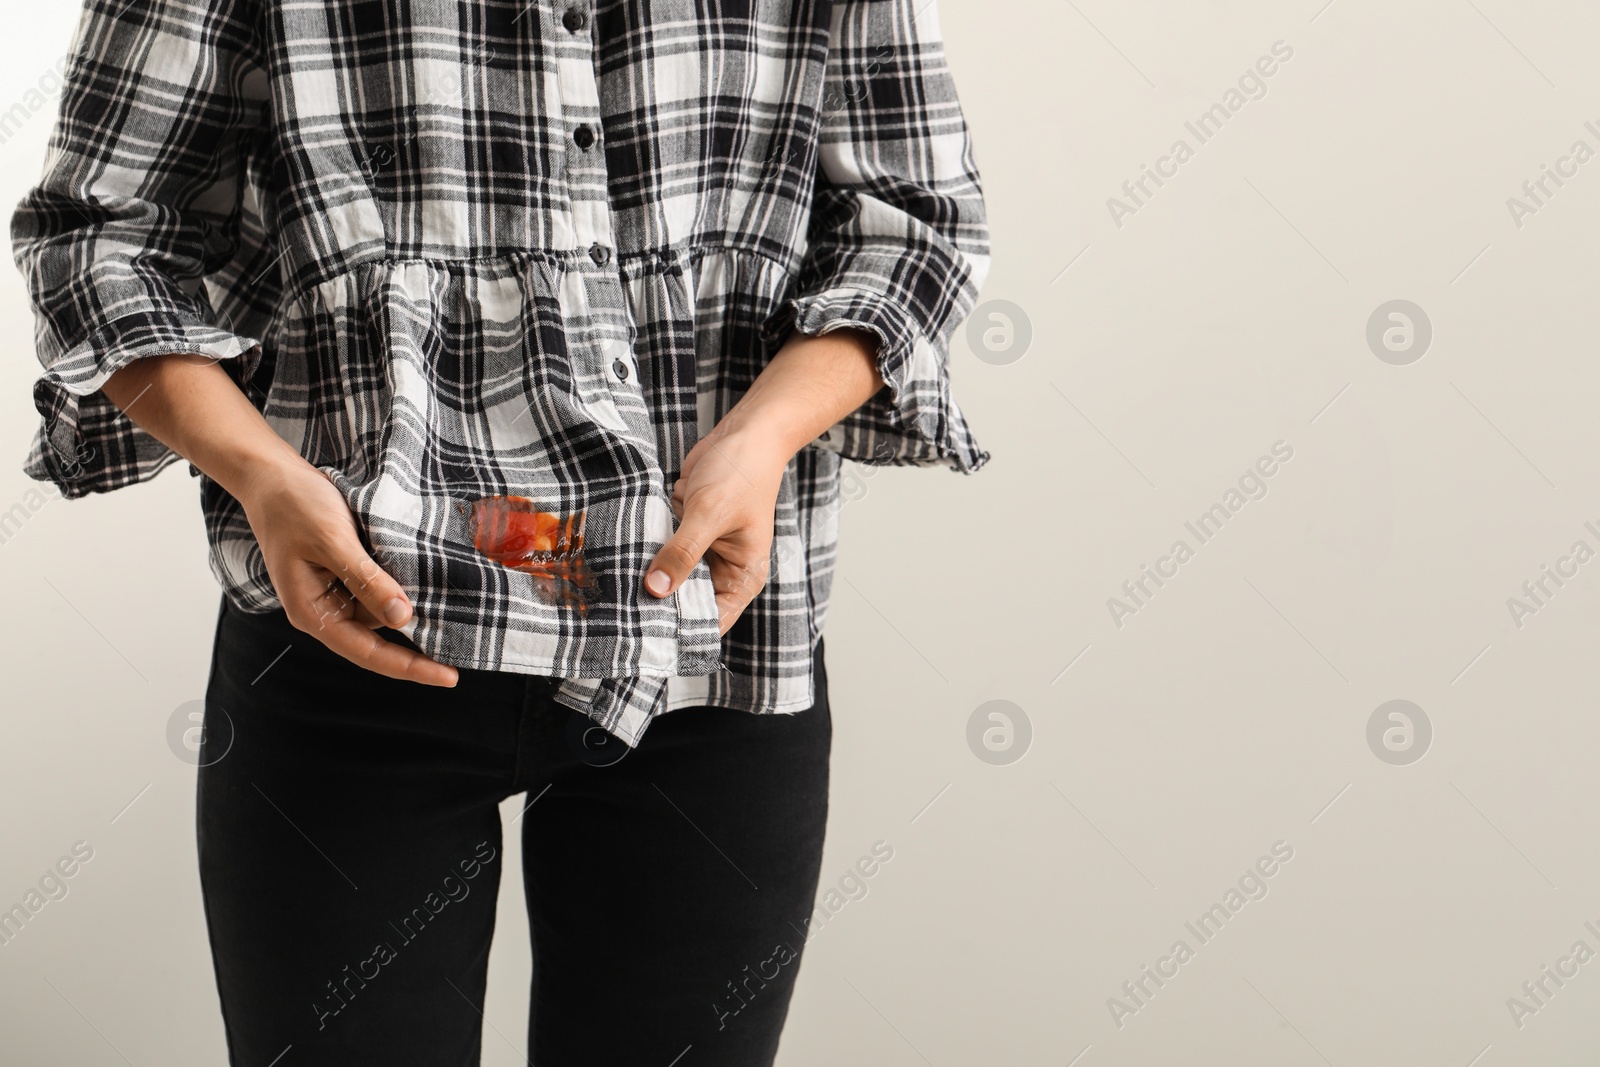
x=328, y=584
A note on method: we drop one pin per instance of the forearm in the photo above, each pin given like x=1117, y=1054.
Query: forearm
x=812, y=383
x=189, y=404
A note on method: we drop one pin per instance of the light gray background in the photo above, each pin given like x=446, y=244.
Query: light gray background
x=1231, y=712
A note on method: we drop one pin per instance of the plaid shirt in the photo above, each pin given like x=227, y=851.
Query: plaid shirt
x=463, y=250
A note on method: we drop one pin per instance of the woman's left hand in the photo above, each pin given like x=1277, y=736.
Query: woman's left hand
x=726, y=495
x=724, y=498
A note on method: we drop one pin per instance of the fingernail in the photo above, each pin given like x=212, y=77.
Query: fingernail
x=658, y=582
x=396, y=611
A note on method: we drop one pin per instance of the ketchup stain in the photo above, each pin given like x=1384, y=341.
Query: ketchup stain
x=512, y=531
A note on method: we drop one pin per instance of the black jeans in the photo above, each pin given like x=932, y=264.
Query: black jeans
x=350, y=847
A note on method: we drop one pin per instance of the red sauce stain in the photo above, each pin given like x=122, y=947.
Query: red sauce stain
x=511, y=530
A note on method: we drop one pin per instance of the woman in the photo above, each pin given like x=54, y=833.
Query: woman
x=517, y=347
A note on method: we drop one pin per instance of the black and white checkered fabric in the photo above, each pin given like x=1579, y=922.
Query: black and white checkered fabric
x=463, y=248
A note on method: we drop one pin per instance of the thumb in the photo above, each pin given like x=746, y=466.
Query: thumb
x=672, y=564
x=373, y=587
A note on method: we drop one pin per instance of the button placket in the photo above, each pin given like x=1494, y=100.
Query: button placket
x=589, y=229
x=578, y=86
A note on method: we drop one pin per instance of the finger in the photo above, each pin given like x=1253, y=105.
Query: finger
x=359, y=611
x=361, y=645
x=680, y=484
x=319, y=605
x=677, y=499
x=379, y=593
x=336, y=602
x=701, y=525
x=327, y=602
x=367, y=619
x=736, y=587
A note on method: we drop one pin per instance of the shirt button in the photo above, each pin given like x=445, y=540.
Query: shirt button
x=575, y=20
x=584, y=136
x=621, y=369
x=600, y=254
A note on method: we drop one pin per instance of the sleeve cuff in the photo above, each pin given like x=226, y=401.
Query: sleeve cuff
x=85, y=444
x=914, y=421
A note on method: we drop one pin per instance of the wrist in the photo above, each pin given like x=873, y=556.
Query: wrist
x=253, y=474
x=756, y=447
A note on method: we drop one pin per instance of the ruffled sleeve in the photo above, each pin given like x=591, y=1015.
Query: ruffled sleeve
x=898, y=242
x=139, y=202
